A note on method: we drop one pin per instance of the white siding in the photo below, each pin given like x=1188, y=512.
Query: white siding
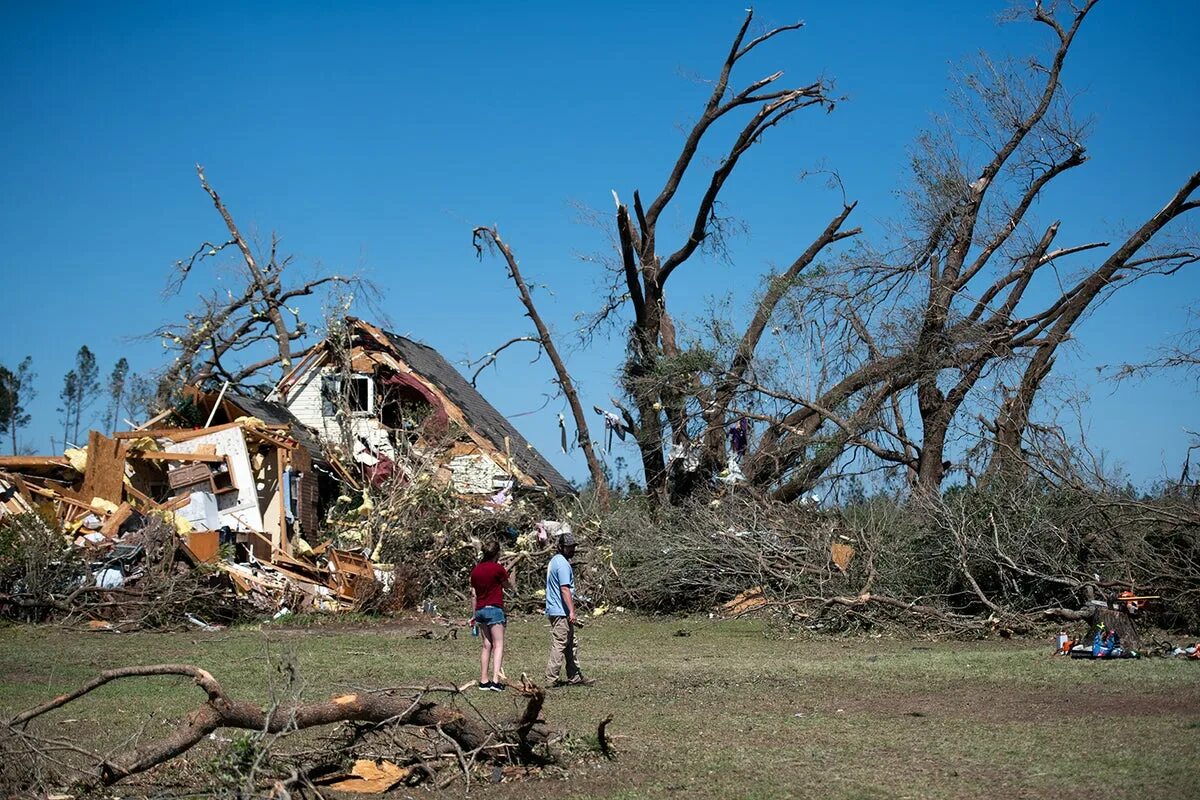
x=239, y=510
x=476, y=474
x=306, y=402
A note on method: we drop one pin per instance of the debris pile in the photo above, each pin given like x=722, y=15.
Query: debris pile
x=240, y=497
x=384, y=739
x=390, y=466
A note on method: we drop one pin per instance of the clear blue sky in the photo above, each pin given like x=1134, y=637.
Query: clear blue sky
x=373, y=136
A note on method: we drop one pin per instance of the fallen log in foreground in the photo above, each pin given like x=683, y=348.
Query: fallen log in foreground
x=403, y=706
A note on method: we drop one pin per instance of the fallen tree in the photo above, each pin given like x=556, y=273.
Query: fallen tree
x=1007, y=558
x=521, y=740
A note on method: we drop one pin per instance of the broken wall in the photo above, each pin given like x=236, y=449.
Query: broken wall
x=238, y=509
x=307, y=400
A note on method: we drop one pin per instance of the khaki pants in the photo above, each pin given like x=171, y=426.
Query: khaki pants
x=562, y=645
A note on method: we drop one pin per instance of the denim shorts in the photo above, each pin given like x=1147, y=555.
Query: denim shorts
x=490, y=615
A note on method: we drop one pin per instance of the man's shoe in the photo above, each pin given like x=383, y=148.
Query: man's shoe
x=580, y=680
x=485, y=686
x=496, y=687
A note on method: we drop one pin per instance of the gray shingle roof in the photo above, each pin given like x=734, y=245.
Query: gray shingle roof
x=479, y=413
x=277, y=414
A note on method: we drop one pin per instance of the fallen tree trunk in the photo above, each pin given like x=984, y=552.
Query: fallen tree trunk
x=393, y=707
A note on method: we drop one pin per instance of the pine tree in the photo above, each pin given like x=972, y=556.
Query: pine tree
x=6, y=396
x=81, y=385
x=67, y=396
x=16, y=392
x=116, y=394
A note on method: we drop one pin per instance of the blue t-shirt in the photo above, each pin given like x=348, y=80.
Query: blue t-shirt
x=558, y=575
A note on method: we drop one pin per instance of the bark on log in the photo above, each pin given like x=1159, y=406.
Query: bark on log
x=221, y=711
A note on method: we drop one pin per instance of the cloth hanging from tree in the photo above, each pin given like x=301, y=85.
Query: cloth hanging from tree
x=739, y=436
x=612, y=424
x=687, y=455
x=732, y=473
x=562, y=432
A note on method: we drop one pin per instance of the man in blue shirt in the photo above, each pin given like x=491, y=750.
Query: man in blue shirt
x=560, y=609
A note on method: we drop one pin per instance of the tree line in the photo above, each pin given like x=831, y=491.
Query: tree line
x=122, y=394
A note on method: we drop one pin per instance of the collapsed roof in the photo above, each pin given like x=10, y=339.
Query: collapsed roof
x=451, y=396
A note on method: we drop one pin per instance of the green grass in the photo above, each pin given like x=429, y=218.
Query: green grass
x=734, y=709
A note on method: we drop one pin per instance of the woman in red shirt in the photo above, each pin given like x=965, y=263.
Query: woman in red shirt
x=489, y=579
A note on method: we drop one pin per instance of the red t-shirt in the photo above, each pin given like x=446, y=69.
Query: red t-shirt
x=487, y=579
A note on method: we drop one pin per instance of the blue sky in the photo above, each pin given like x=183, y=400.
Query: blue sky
x=372, y=137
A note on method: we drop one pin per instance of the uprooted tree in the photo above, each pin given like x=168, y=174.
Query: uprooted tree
x=944, y=316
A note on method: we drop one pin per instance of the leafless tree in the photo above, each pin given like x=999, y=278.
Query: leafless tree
x=1181, y=353
x=237, y=336
x=485, y=237
x=471, y=736
x=922, y=320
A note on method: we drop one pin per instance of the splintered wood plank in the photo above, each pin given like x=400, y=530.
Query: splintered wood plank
x=112, y=526
x=105, y=475
x=17, y=462
x=152, y=421
x=146, y=503
x=174, y=434
x=284, y=544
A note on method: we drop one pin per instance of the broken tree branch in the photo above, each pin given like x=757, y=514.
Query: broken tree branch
x=222, y=711
x=489, y=237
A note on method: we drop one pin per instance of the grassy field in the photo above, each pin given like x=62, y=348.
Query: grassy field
x=704, y=709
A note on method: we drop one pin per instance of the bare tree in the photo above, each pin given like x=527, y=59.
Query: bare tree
x=1181, y=353
x=237, y=337
x=480, y=738
x=918, y=320
x=927, y=319
x=490, y=238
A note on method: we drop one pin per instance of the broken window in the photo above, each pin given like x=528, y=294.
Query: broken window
x=404, y=404
x=356, y=392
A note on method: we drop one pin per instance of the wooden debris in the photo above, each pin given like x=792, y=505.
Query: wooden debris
x=105, y=476
x=203, y=545
x=485, y=740
x=112, y=525
x=749, y=600
x=368, y=777
x=841, y=554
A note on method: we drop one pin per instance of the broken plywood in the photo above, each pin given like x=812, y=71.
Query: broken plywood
x=105, y=474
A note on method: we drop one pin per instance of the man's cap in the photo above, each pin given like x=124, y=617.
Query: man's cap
x=566, y=540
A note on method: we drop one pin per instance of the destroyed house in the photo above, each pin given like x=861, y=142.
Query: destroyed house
x=251, y=469
x=239, y=479
x=391, y=404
